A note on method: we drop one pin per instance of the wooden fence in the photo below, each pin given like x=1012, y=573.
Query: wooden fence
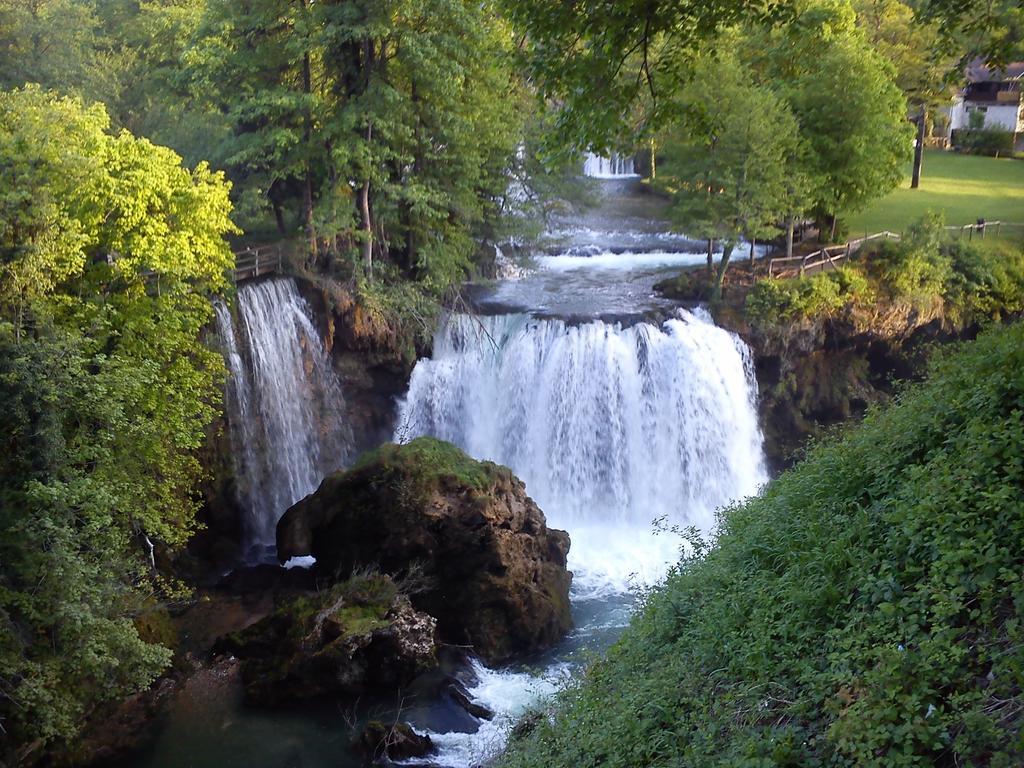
x=253, y=262
x=830, y=255
x=982, y=226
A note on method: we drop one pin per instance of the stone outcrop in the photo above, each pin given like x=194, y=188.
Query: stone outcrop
x=468, y=544
x=360, y=634
x=382, y=741
x=815, y=373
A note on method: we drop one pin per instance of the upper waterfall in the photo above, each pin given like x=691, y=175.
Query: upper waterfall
x=613, y=167
x=612, y=428
x=286, y=412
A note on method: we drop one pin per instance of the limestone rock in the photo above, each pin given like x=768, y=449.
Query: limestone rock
x=381, y=741
x=472, y=548
x=360, y=634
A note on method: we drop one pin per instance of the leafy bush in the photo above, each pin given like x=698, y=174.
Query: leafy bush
x=110, y=248
x=984, y=141
x=771, y=301
x=987, y=282
x=917, y=268
x=865, y=611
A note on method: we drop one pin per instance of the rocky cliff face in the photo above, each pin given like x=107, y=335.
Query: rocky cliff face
x=373, y=355
x=816, y=373
x=462, y=536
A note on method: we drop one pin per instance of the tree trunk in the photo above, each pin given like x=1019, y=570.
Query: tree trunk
x=753, y=242
x=723, y=265
x=789, y=237
x=279, y=218
x=915, y=180
x=367, y=222
x=711, y=258
x=307, y=187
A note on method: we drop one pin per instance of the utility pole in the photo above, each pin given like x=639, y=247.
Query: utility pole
x=915, y=180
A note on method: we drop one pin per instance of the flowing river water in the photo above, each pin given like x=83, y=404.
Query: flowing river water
x=625, y=416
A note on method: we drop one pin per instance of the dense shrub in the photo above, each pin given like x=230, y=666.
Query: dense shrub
x=771, y=301
x=987, y=282
x=916, y=268
x=865, y=611
x=984, y=141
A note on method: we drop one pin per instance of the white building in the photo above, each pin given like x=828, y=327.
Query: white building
x=995, y=94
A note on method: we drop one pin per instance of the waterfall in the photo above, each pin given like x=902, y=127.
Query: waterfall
x=615, y=166
x=286, y=412
x=611, y=428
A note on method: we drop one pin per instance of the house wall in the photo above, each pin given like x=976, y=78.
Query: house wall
x=1006, y=117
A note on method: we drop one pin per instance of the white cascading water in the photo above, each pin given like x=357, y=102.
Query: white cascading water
x=285, y=405
x=616, y=431
x=611, y=428
x=614, y=167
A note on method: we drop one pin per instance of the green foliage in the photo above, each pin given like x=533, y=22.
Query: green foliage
x=430, y=463
x=388, y=126
x=774, y=301
x=728, y=168
x=967, y=282
x=984, y=141
x=841, y=91
x=108, y=248
x=912, y=46
x=986, y=283
x=917, y=268
x=614, y=68
x=863, y=612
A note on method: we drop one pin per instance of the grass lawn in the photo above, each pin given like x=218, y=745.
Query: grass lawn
x=965, y=187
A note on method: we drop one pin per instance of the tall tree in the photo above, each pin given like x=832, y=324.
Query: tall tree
x=393, y=122
x=109, y=250
x=852, y=115
x=728, y=164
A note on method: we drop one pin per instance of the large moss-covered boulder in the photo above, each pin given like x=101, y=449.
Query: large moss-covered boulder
x=361, y=634
x=485, y=562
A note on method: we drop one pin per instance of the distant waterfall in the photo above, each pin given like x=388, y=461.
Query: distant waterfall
x=616, y=166
x=610, y=427
x=286, y=412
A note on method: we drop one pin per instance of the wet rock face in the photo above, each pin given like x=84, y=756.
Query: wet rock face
x=358, y=635
x=469, y=545
x=382, y=741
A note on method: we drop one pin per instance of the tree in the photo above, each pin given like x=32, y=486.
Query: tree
x=728, y=165
x=108, y=251
x=392, y=122
x=852, y=115
x=600, y=60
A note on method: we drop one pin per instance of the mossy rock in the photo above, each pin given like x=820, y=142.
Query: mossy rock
x=431, y=464
x=356, y=635
x=494, y=574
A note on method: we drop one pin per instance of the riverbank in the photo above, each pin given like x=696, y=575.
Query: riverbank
x=859, y=613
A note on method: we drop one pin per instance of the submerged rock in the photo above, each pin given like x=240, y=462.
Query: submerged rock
x=398, y=741
x=470, y=546
x=458, y=694
x=358, y=635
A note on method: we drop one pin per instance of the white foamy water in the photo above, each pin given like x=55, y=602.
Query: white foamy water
x=616, y=431
x=509, y=695
x=621, y=261
x=284, y=403
x=608, y=426
x=614, y=167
